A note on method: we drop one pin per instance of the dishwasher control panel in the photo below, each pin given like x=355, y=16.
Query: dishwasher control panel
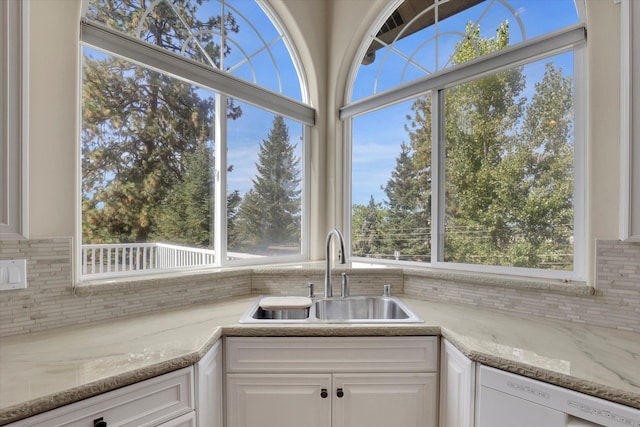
x=528, y=397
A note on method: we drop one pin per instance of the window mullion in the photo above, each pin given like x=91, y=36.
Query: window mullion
x=220, y=180
x=438, y=177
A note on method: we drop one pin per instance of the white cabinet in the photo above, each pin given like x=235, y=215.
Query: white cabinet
x=383, y=400
x=332, y=382
x=164, y=401
x=457, y=387
x=283, y=400
x=209, y=388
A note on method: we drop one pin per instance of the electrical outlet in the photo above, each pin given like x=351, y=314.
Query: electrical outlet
x=13, y=274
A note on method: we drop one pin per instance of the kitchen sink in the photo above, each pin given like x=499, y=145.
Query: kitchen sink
x=353, y=309
x=366, y=308
x=289, y=314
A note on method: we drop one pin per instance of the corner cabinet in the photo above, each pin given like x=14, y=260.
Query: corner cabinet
x=332, y=382
x=457, y=387
x=209, y=388
x=630, y=121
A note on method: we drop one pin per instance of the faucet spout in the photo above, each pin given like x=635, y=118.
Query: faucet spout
x=328, y=291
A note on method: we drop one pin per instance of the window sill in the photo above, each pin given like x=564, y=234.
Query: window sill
x=572, y=288
x=129, y=283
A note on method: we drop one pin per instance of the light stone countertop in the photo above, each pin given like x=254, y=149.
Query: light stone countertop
x=45, y=370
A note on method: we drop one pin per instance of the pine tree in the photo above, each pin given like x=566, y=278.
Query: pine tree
x=406, y=221
x=269, y=215
x=139, y=125
x=186, y=214
x=366, y=224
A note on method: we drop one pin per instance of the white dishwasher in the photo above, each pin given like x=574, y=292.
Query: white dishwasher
x=509, y=400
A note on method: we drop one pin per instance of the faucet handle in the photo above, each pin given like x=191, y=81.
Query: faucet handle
x=310, y=290
x=345, y=285
x=386, y=290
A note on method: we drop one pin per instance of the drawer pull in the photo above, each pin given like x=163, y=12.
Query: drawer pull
x=99, y=422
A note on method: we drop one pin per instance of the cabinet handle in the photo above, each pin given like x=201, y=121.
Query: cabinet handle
x=99, y=422
x=340, y=393
x=323, y=393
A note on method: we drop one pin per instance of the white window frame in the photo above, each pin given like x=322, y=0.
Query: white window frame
x=14, y=113
x=572, y=38
x=629, y=124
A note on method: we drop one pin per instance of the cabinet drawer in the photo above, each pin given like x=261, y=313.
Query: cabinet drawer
x=332, y=354
x=145, y=404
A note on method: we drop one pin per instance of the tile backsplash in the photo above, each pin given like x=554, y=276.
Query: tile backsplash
x=49, y=300
x=616, y=303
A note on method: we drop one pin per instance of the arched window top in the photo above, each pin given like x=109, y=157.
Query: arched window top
x=239, y=37
x=417, y=38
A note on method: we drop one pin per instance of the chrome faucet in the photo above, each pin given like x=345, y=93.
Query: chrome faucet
x=328, y=292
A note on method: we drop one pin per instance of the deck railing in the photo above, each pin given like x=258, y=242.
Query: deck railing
x=108, y=259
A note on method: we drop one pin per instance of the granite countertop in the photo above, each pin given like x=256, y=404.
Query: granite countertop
x=44, y=370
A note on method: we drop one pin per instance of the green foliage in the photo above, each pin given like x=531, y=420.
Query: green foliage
x=367, y=222
x=186, y=216
x=407, y=215
x=140, y=127
x=508, y=193
x=269, y=216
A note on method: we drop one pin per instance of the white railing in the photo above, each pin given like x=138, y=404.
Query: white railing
x=141, y=257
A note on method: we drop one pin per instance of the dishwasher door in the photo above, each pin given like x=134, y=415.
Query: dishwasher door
x=507, y=400
x=498, y=409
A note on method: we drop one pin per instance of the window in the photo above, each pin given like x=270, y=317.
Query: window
x=194, y=126
x=467, y=137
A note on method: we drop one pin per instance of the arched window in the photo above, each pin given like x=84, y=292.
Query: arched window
x=467, y=136
x=194, y=121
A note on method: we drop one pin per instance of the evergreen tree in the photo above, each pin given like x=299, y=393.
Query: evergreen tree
x=406, y=221
x=139, y=125
x=366, y=223
x=419, y=130
x=269, y=215
x=185, y=216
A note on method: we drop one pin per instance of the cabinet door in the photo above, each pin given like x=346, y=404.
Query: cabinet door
x=457, y=388
x=187, y=420
x=278, y=400
x=209, y=387
x=383, y=400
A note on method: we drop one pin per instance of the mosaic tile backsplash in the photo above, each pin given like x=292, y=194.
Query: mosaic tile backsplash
x=49, y=300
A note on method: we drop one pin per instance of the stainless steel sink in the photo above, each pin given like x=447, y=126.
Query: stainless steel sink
x=366, y=308
x=298, y=314
x=355, y=309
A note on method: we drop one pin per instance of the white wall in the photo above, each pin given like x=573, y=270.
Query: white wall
x=53, y=117
x=327, y=33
